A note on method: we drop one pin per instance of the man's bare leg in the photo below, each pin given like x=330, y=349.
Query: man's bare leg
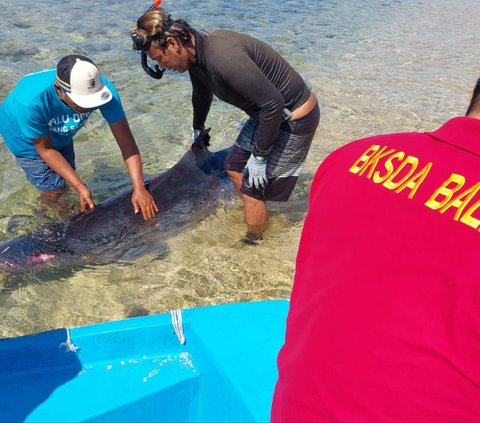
x=236, y=178
x=47, y=205
x=254, y=211
x=50, y=197
x=56, y=202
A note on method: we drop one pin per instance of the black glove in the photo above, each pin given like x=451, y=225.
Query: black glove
x=201, y=138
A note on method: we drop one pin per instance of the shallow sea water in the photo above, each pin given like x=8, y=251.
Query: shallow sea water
x=376, y=66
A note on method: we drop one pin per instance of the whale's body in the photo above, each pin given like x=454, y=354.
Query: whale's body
x=185, y=194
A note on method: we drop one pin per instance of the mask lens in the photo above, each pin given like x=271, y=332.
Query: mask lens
x=139, y=42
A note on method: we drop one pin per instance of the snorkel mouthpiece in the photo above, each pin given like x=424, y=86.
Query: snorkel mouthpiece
x=156, y=73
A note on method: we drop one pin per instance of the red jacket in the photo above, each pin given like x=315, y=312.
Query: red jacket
x=384, y=320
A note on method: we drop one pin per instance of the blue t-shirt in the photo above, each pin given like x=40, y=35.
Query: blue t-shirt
x=33, y=110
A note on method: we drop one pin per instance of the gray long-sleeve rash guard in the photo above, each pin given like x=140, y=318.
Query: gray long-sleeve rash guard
x=248, y=74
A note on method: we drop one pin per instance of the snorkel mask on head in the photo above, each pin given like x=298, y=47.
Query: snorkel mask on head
x=142, y=43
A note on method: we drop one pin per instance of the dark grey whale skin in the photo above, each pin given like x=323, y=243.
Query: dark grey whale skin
x=185, y=194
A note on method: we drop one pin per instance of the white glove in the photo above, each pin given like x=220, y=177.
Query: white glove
x=257, y=171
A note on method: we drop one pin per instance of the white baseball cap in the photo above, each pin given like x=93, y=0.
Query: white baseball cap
x=79, y=77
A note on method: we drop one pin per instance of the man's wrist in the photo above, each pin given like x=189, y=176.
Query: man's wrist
x=139, y=187
x=195, y=133
x=259, y=154
x=81, y=185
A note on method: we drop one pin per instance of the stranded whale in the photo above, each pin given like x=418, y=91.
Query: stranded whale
x=185, y=194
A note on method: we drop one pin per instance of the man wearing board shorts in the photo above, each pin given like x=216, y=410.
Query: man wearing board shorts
x=241, y=70
x=285, y=160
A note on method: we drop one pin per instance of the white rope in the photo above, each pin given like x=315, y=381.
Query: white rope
x=178, y=325
x=68, y=344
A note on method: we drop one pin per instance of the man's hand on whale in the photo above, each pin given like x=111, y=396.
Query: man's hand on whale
x=143, y=201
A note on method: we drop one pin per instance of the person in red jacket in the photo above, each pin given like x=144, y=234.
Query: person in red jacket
x=384, y=319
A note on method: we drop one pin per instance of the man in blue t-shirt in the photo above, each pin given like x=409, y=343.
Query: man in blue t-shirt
x=40, y=117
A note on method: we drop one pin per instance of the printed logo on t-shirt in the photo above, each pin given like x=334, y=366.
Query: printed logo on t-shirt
x=68, y=124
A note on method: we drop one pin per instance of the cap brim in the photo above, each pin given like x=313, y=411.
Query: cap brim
x=92, y=100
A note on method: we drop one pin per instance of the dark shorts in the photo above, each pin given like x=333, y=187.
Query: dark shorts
x=285, y=160
x=43, y=177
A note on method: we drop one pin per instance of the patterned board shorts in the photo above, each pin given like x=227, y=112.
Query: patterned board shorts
x=285, y=160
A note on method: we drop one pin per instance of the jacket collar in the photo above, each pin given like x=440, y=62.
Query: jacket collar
x=461, y=132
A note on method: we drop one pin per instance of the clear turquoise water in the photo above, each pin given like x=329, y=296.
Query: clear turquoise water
x=377, y=66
